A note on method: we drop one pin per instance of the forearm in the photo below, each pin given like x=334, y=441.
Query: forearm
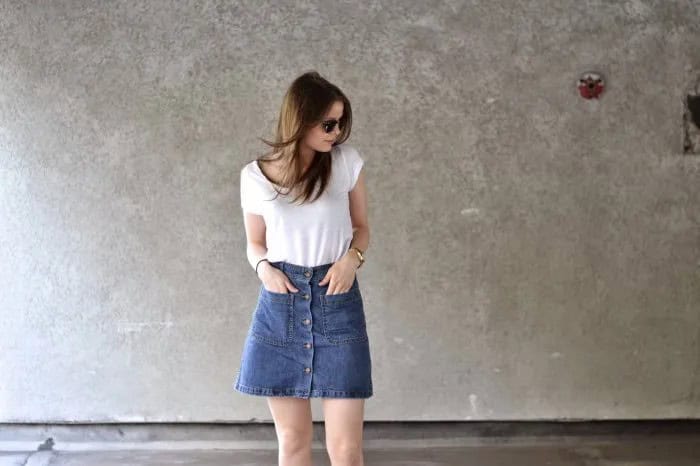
x=255, y=252
x=360, y=240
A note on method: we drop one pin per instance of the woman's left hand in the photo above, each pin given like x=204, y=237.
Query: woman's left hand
x=341, y=275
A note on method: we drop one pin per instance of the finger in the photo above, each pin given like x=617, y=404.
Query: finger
x=333, y=288
x=325, y=280
x=291, y=287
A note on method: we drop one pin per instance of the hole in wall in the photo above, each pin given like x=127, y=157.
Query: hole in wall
x=693, y=103
x=691, y=120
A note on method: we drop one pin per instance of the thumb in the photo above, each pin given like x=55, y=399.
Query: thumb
x=325, y=279
x=291, y=287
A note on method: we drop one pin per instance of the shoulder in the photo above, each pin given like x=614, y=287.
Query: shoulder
x=248, y=168
x=250, y=171
x=346, y=150
x=251, y=177
x=350, y=157
x=349, y=154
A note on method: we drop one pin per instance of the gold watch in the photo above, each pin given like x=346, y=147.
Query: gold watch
x=359, y=255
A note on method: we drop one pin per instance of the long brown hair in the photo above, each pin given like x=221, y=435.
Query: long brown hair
x=308, y=99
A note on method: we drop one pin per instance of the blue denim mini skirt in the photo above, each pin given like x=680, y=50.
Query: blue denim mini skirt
x=306, y=343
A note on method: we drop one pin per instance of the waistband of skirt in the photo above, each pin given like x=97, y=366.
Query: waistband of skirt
x=301, y=269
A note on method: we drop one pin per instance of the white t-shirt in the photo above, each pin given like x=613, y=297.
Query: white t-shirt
x=313, y=233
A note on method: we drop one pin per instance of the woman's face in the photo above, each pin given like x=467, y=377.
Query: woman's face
x=317, y=138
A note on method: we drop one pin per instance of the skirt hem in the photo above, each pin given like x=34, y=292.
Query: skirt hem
x=322, y=393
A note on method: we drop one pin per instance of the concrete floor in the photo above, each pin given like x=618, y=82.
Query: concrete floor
x=605, y=443
x=652, y=451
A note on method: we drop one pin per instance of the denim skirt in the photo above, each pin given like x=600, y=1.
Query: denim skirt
x=307, y=343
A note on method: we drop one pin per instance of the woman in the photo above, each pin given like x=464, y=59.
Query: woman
x=305, y=216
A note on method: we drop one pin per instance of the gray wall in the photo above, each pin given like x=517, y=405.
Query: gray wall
x=533, y=255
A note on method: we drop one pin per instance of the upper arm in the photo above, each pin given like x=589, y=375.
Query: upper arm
x=358, y=202
x=254, y=228
x=251, y=205
x=357, y=191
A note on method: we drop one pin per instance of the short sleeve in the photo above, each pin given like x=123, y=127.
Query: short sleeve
x=354, y=163
x=250, y=195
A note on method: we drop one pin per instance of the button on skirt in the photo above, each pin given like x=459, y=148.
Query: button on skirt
x=306, y=343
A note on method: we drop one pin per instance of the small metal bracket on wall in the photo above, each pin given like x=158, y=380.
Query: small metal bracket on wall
x=691, y=119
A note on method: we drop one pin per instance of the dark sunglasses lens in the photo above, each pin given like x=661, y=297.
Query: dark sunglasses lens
x=329, y=125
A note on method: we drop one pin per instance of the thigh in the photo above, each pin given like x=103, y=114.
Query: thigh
x=343, y=418
x=292, y=415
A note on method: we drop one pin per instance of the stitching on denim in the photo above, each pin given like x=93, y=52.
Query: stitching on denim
x=349, y=296
x=335, y=340
x=303, y=393
x=290, y=326
x=277, y=297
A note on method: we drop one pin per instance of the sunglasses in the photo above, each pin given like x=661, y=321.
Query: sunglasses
x=329, y=125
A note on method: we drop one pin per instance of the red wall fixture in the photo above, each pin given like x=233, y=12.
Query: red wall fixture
x=591, y=85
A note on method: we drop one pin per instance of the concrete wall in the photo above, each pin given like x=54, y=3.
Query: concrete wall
x=533, y=255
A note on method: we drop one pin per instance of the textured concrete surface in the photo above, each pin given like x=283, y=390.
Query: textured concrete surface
x=611, y=443
x=533, y=255
x=681, y=451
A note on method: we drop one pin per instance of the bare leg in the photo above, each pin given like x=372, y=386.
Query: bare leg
x=294, y=429
x=344, y=422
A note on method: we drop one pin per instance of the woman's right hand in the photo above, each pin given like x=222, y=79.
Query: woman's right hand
x=274, y=279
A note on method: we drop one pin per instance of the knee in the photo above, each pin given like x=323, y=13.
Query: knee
x=293, y=441
x=344, y=453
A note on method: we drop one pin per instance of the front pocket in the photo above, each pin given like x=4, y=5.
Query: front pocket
x=273, y=317
x=344, y=317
